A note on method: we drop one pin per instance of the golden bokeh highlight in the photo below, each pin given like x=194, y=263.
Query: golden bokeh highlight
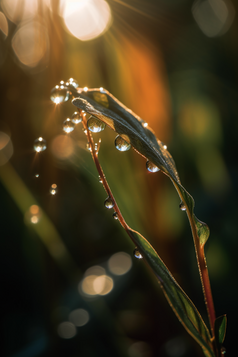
x=96, y=282
x=3, y=24
x=79, y=317
x=33, y=215
x=86, y=19
x=31, y=43
x=62, y=147
x=19, y=10
x=120, y=263
x=6, y=148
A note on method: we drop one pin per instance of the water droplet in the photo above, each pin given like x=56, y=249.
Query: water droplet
x=100, y=180
x=85, y=89
x=115, y=215
x=68, y=126
x=95, y=125
x=121, y=144
x=76, y=118
x=72, y=82
x=145, y=124
x=182, y=206
x=39, y=144
x=223, y=351
x=101, y=89
x=165, y=147
x=151, y=167
x=108, y=203
x=59, y=94
x=37, y=175
x=137, y=254
x=53, y=189
x=88, y=147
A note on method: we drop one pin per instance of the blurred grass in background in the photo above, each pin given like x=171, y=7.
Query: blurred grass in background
x=174, y=63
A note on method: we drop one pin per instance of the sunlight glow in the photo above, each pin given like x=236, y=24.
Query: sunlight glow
x=30, y=43
x=86, y=19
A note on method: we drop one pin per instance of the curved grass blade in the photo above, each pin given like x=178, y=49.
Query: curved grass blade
x=220, y=328
x=131, y=127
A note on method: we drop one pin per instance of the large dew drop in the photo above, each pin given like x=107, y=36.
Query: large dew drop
x=108, y=203
x=121, y=144
x=39, y=144
x=151, y=167
x=68, y=126
x=76, y=118
x=59, y=94
x=95, y=125
x=137, y=254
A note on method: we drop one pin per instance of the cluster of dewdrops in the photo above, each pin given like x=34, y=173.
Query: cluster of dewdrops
x=62, y=93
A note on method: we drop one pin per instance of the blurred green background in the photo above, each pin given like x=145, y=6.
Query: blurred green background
x=70, y=285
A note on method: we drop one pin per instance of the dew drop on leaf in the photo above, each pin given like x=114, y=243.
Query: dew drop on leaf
x=121, y=144
x=37, y=175
x=39, y=144
x=53, y=189
x=151, y=167
x=137, y=254
x=115, y=216
x=95, y=125
x=182, y=206
x=59, y=94
x=72, y=82
x=68, y=126
x=76, y=118
x=108, y=203
x=100, y=180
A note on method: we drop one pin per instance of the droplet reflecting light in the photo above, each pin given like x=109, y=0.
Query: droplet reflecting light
x=95, y=125
x=72, y=82
x=151, y=167
x=121, y=144
x=182, y=206
x=59, y=94
x=137, y=254
x=68, y=126
x=76, y=118
x=39, y=144
x=108, y=203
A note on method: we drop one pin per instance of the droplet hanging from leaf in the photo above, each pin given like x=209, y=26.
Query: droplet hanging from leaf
x=137, y=254
x=121, y=144
x=108, y=203
x=68, y=126
x=151, y=167
x=59, y=94
x=95, y=125
x=76, y=118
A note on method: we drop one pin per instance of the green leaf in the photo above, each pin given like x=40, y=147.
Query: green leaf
x=133, y=129
x=220, y=329
x=182, y=306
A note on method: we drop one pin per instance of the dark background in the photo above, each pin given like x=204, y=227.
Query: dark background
x=159, y=61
